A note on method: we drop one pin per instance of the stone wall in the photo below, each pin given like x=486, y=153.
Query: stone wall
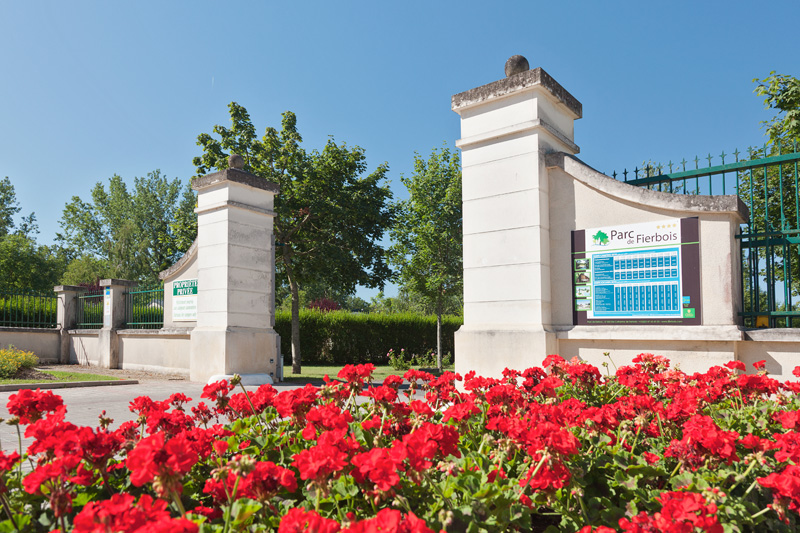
x=45, y=343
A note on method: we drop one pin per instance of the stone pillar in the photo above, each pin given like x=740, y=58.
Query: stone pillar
x=66, y=316
x=507, y=127
x=235, y=278
x=113, y=319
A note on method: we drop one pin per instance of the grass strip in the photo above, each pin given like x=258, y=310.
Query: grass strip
x=314, y=373
x=60, y=377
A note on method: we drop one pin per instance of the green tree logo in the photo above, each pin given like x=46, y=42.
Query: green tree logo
x=600, y=239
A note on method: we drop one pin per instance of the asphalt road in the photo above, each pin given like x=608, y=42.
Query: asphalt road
x=85, y=404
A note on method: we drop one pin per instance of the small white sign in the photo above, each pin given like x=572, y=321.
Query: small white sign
x=184, y=300
x=107, y=302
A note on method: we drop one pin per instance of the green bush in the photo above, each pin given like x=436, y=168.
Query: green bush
x=341, y=337
x=12, y=359
x=403, y=361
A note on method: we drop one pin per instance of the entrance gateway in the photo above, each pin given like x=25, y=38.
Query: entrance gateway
x=561, y=259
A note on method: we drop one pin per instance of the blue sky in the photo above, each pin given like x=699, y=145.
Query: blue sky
x=92, y=89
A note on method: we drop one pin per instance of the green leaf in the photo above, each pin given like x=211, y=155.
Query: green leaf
x=243, y=509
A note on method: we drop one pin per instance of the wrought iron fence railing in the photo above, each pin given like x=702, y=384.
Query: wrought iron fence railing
x=90, y=310
x=767, y=182
x=144, y=308
x=28, y=309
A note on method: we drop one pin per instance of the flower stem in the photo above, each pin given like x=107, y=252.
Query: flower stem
x=677, y=467
x=762, y=511
x=178, y=502
x=7, y=508
x=253, y=407
x=753, y=484
x=743, y=476
x=583, y=510
x=230, y=506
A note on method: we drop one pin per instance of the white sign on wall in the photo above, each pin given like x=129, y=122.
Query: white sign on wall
x=184, y=300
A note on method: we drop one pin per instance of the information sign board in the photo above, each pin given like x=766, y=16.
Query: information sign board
x=645, y=273
x=184, y=300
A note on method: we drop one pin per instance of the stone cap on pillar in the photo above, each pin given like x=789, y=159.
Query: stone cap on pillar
x=118, y=282
x=69, y=288
x=237, y=176
x=517, y=82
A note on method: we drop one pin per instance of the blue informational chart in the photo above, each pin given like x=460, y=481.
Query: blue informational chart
x=636, y=284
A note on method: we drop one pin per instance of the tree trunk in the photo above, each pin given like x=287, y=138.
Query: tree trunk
x=295, y=328
x=439, y=336
x=296, y=359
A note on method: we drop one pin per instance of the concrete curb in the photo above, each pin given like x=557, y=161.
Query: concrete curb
x=67, y=384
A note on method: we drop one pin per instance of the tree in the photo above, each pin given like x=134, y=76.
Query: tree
x=132, y=232
x=411, y=302
x=8, y=206
x=427, y=234
x=86, y=269
x=781, y=92
x=24, y=264
x=329, y=214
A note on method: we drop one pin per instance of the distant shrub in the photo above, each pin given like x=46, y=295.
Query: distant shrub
x=341, y=337
x=12, y=359
x=324, y=304
x=403, y=361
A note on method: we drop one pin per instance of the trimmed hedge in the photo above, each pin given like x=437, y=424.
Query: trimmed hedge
x=341, y=337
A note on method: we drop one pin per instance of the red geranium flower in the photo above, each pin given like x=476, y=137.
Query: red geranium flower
x=390, y=521
x=298, y=520
x=30, y=405
x=156, y=459
x=120, y=514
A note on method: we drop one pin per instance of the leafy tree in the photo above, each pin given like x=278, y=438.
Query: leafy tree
x=86, y=269
x=427, y=234
x=23, y=263
x=329, y=214
x=781, y=92
x=8, y=206
x=133, y=232
x=410, y=302
x=184, y=227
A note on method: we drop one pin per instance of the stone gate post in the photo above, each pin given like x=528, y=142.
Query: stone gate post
x=507, y=127
x=235, y=278
x=66, y=316
x=113, y=319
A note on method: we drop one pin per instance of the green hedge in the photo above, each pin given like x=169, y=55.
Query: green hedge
x=341, y=337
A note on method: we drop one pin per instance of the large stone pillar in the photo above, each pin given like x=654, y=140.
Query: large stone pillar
x=235, y=278
x=507, y=127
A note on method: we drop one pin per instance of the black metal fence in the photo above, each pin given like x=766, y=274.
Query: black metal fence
x=144, y=308
x=90, y=309
x=28, y=309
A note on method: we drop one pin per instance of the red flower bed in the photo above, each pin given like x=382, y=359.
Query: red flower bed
x=647, y=449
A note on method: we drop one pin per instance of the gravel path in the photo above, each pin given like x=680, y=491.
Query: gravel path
x=142, y=375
